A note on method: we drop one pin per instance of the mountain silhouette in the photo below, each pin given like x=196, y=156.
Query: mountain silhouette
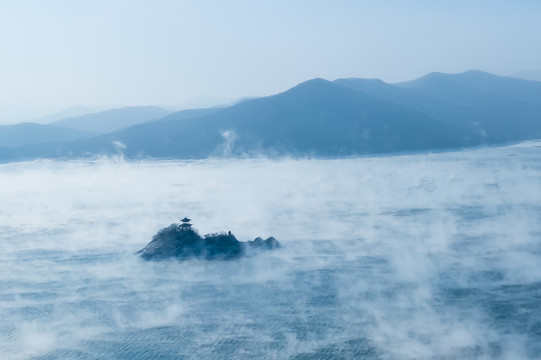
x=324, y=118
x=113, y=120
x=30, y=133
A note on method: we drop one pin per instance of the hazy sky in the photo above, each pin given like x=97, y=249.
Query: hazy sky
x=109, y=53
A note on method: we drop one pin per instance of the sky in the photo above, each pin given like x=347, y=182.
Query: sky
x=113, y=53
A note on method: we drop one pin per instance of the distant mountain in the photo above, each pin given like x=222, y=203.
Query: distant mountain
x=30, y=133
x=6, y=154
x=72, y=111
x=113, y=120
x=475, y=88
x=395, y=95
x=316, y=117
x=340, y=118
x=529, y=75
x=500, y=109
x=200, y=103
x=188, y=114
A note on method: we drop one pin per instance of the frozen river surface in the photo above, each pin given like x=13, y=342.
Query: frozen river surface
x=398, y=257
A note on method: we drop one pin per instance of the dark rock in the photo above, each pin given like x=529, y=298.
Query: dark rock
x=270, y=243
x=173, y=241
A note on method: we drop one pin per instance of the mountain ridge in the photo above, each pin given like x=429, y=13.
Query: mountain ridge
x=107, y=121
x=29, y=132
x=343, y=117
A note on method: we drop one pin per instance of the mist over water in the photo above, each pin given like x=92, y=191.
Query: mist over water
x=396, y=257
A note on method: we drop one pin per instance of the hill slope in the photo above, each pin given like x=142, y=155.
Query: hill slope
x=29, y=133
x=113, y=120
x=501, y=109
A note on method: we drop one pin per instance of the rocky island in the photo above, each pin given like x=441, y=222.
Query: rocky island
x=181, y=241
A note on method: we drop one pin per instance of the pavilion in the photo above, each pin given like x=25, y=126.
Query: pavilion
x=185, y=224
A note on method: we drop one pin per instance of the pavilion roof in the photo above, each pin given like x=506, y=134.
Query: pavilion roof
x=185, y=220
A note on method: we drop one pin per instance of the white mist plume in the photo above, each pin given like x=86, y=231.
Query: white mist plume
x=394, y=244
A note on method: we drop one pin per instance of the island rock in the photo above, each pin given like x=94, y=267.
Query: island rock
x=183, y=242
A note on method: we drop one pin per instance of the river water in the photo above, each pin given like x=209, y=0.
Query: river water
x=432, y=256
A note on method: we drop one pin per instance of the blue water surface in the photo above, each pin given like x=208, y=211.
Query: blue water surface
x=399, y=257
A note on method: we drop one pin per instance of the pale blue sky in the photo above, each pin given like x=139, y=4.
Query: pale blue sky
x=110, y=53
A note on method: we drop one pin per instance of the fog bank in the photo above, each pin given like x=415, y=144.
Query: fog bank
x=408, y=257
